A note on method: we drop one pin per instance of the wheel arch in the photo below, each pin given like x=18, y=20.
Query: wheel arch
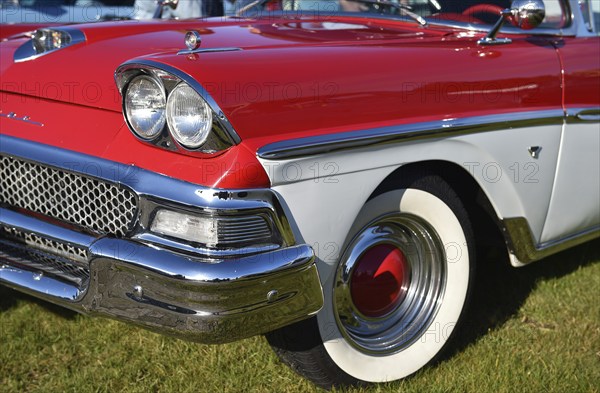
x=486, y=220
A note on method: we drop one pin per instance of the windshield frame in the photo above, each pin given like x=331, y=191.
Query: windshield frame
x=573, y=24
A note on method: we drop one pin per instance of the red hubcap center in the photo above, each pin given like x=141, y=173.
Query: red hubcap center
x=376, y=282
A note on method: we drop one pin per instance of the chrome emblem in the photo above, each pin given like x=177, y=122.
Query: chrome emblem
x=26, y=119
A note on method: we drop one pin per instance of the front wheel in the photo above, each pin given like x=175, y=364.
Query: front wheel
x=397, y=294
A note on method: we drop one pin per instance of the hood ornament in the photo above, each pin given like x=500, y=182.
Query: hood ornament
x=193, y=40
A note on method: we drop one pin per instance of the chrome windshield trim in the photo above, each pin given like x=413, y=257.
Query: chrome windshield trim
x=572, y=28
x=393, y=134
x=119, y=79
x=579, y=28
x=27, y=52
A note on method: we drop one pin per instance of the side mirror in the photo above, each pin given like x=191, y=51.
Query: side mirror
x=528, y=14
x=525, y=14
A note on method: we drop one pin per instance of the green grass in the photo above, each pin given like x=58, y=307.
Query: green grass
x=534, y=329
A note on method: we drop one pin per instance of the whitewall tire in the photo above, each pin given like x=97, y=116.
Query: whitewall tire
x=397, y=294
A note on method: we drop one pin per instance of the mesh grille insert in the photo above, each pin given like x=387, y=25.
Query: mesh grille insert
x=99, y=206
x=39, y=261
x=43, y=244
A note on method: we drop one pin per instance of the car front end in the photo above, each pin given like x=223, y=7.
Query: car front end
x=100, y=237
x=106, y=217
x=321, y=175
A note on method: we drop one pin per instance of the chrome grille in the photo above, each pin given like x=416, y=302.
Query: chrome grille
x=15, y=252
x=44, y=263
x=240, y=230
x=93, y=204
x=41, y=243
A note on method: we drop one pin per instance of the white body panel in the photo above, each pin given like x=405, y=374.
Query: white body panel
x=575, y=203
x=324, y=193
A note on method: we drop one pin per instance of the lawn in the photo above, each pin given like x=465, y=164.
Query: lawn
x=534, y=329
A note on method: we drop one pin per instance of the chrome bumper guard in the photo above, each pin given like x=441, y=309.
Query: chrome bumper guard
x=214, y=300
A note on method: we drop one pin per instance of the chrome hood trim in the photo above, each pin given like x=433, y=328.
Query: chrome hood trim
x=27, y=51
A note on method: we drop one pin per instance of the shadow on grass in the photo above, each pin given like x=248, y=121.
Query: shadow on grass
x=10, y=298
x=500, y=290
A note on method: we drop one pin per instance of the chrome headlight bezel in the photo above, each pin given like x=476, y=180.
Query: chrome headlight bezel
x=255, y=223
x=219, y=137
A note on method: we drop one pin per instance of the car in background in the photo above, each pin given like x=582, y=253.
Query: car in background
x=17, y=16
x=24, y=15
x=320, y=172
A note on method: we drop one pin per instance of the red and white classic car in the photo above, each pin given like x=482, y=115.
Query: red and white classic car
x=315, y=171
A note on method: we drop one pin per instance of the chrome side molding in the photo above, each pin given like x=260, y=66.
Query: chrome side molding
x=583, y=115
x=521, y=244
x=401, y=133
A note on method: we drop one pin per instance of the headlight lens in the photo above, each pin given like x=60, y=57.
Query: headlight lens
x=189, y=116
x=145, y=106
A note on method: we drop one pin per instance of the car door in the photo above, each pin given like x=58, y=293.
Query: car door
x=575, y=203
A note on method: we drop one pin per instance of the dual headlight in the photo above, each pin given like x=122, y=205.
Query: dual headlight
x=149, y=108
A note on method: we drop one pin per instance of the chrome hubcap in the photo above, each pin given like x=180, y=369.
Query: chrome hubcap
x=390, y=284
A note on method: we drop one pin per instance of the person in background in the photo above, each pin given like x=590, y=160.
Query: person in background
x=144, y=9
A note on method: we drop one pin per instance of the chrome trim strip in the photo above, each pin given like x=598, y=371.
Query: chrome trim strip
x=142, y=181
x=187, y=79
x=26, y=119
x=27, y=52
x=213, y=253
x=394, y=134
x=181, y=267
x=520, y=241
x=578, y=115
x=206, y=50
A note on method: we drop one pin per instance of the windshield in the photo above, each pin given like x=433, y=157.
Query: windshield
x=441, y=11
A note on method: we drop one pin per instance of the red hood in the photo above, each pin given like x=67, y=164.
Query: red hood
x=83, y=73
x=293, y=76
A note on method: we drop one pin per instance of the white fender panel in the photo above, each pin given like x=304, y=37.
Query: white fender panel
x=324, y=193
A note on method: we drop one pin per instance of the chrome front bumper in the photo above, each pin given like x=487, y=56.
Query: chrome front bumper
x=171, y=294
x=207, y=298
